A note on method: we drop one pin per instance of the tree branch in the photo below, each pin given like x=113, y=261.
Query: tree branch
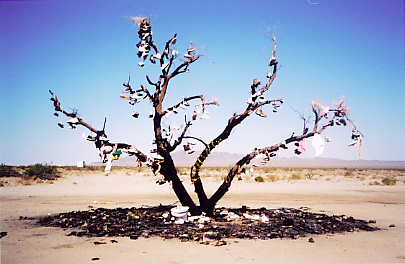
x=180, y=139
x=147, y=93
x=232, y=123
x=106, y=149
x=198, y=139
x=166, y=168
x=340, y=112
x=73, y=114
x=182, y=103
x=184, y=65
x=235, y=120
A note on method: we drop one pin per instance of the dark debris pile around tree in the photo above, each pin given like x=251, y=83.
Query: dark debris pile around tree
x=243, y=223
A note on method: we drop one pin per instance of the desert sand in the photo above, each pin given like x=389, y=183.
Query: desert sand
x=26, y=242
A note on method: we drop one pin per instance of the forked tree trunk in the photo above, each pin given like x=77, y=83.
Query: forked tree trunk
x=164, y=164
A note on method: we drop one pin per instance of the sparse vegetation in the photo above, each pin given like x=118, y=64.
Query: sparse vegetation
x=309, y=175
x=389, y=182
x=8, y=171
x=259, y=179
x=273, y=177
x=296, y=175
x=41, y=171
x=92, y=168
x=72, y=168
x=87, y=168
x=185, y=170
x=27, y=175
x=348, y=172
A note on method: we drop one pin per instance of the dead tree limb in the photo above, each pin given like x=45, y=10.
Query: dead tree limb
x=73, y=115
x=320, y=112
x=165, y=59
x=253, y=105
x=164, y=139
x=105, y=148
x=183, y=104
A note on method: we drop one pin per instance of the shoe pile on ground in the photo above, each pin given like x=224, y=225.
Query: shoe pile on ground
x=227, y=223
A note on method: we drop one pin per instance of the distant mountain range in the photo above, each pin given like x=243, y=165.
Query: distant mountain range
x=224, y=159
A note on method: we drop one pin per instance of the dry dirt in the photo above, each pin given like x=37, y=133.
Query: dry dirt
x=329, y=191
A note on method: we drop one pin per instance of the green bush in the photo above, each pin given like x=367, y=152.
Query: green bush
x=40, y=171
x=259, y=179
x=388, y=181
x=8, y=171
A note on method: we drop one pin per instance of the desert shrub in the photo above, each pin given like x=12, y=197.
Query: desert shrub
x=296, y=175
x=182, y=170
x=218, y=168
x=208, y=174
x=136, y=169
x=268, y=170
x=8, y=171
x=309, y=175
x=41, y=171
x=388, y=181
x=71, y=168
x=348, y=172
x=259, y=179
x=273, y=177
x=95, y=168
x=285, y=178
x=374, y=183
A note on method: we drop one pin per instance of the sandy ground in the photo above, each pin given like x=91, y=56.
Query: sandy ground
x=28, y=243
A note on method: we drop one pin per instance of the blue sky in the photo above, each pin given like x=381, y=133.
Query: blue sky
x=84, y=50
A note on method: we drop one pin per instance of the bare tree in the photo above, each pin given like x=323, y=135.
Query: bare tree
x=167, y=140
